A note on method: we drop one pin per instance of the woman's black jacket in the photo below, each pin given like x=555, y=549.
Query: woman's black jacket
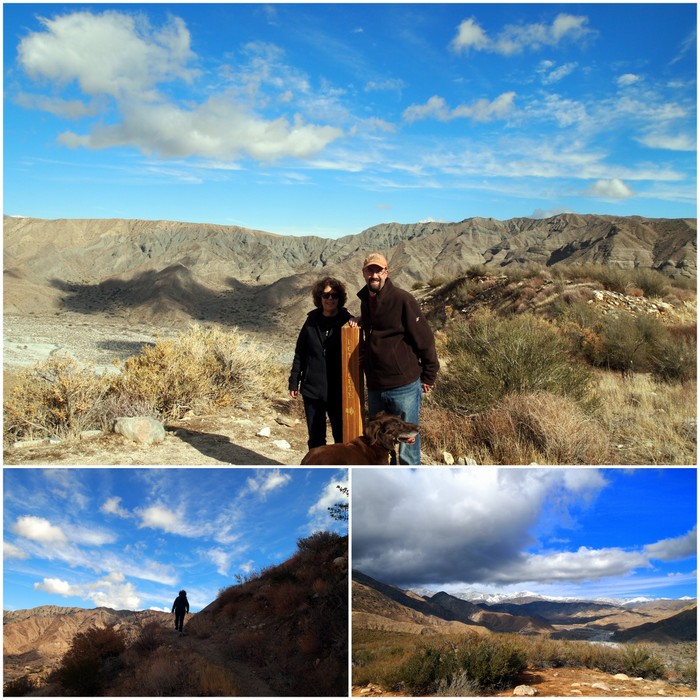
x=317, y=362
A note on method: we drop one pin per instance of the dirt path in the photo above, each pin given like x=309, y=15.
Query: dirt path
x=247, y=681
x=227, y=438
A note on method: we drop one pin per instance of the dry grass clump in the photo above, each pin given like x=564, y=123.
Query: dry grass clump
x=56, y=398
x=523, y=428
x=203, y=369
x=648, y=422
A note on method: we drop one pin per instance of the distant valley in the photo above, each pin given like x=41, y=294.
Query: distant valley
x=380, y=606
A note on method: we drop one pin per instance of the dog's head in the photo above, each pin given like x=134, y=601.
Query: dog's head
x=386, y=430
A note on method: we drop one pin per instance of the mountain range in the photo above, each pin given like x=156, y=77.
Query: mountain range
x=377, y=605
x=169, y=273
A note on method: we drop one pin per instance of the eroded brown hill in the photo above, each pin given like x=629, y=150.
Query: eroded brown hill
x=172, y=272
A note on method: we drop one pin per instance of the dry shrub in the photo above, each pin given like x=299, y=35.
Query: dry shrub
x=209, y=680
x=542, y=428
x=203, y=368
x=83, y=670
x=286, y=597
x=249, y=644
x=56, y=398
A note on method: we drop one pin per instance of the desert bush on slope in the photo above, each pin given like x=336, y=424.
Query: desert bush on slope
x=84, y=669
x=490, y=358
x=202, y=369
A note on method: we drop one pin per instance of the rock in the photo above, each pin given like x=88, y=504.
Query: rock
x=142, y=429
x=447, y=458
x=264, y=432
x=601, y=686
x=282, y=444
x=524, y=690
x=286, y=421
x=621, y=677
x=90, y=434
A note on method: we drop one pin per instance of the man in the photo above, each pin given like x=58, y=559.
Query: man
x=399, y=357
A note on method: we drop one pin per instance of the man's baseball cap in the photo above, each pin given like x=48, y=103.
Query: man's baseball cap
x=375, y=259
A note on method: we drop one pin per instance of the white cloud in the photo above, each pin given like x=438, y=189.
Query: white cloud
x=331, y=494
x=628, y=79
x=610, y=189
x=551, y=73
x=481, y=110
x=11, y=551
x=159, y=517
x=221, y=558
x=674, y=548
x=470, y=36
x=130, y=60
x=266, y=481
x=670, y=141
x=128, y=57
x=517, y=38
x=112, y=591
x=112, y=507
x=39, y=530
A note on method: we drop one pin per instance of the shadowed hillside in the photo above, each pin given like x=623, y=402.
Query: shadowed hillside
x=281, y=632
x=168, y=272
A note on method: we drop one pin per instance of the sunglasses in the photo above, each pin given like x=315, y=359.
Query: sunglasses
x=330, y=295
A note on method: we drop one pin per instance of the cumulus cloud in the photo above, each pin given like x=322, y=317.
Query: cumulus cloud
x=112, y=507
x=674, y=548
x=159, y=517
x=39, y=530
x=481, y=110
x=330, y=495
x=112, y=591
x=517, y=38
x=131, y=61
x=474, y=525
x=551, y=73
x=221, y=558
x=628, y=79
x=610, y=189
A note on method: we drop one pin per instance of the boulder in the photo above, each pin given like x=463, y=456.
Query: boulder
x=142, y=429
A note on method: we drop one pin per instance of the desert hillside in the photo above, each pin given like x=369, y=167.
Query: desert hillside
x=167, y=273
x=282, y=631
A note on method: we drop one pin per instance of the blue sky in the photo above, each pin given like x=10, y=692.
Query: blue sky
x=326, y=119
x=590, y=533
x=132, y=538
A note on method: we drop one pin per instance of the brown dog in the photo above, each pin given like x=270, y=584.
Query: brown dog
x=382, y=434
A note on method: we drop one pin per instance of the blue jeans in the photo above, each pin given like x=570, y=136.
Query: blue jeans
x=403, y=401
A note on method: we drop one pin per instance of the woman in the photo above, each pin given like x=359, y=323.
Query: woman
x=317, y=362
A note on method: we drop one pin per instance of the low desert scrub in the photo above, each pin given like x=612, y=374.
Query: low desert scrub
x=491, y=357
x=203, y=369
x=56, y=398
x=19, y=687
x=83, y=670
x=479, y=664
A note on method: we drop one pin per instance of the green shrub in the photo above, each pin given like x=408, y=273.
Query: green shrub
x=674, y=359
x=481, y=663
x=639, y=661
x=319, y=541
x=491, y=357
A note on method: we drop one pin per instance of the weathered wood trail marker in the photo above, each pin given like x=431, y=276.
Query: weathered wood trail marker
x=353, y=386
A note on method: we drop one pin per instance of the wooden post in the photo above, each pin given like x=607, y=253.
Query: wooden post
x=353, y=386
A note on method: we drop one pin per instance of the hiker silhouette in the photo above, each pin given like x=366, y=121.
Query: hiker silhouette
x=181, y=606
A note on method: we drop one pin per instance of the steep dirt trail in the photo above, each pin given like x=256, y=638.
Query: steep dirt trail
x=247, y=681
